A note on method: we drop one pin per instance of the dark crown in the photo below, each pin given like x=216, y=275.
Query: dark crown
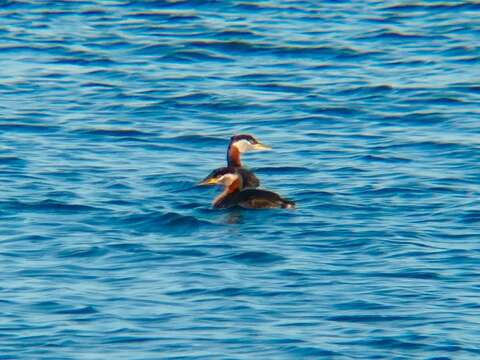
x=220, y=172
x=247, y=137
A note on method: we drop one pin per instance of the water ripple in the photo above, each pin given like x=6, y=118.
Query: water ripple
x=110, y=114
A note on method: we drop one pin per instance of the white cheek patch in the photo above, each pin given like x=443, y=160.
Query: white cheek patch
x=243, y=145
x=228, y=179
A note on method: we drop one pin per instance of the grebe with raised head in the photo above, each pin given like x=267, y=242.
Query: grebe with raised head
x=241, y=144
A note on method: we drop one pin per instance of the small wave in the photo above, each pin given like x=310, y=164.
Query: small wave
x=52, y=13
x=127, y=339
x=119, y=186
x=466, y=60
x=447, y=101
x=31, y=238
x=192, y=97
x=128, y=247
x=284, y=170
x=195, y=140
x=467, y=88
x=49, y=206
x=82, y=61
x=47, y=304
x=157, y=49
x=252, y=6
x=464, y=5
x=100, y=85
x=387, y=191
x=366, y=90
x=394, y=35
x=93, y=12
x=459, y=51
x=427, y=145
x=412, y=274
x=165, y=15
x=445, y=190
x=90, y=252
x=337, y=110
x=409, y=63
x=262, y=48
x=262, y=77
x=194, y=56
x=274, y=87
x=231, y=47
x=28, y=128
x=416, y=118
x=12, y=160
x=186, y=292
x=385, y=159
x=316, y=52
x=349, y=170
x=314, y=193
x=361, y=305
x=229, y=291
x=236, y=34
x=169, y=148
x=308, y=352
x=256, y=258
x=163, y=222
x=471, y=217
x=84, y=310
x=389, y=343
x=188, y=252
x=33, y=50
x=112, y=132
x=368, y=318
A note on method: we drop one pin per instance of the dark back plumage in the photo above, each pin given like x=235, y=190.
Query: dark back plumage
x=220, y=172
x=249, y=180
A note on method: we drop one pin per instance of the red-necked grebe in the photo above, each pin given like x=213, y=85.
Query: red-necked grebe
x=234, y=194
x=241, y=144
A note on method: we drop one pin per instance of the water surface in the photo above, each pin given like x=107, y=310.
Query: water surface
x=112, y=111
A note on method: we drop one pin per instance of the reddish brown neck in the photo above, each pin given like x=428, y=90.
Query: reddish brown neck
x=234, y=186
x=233, y=156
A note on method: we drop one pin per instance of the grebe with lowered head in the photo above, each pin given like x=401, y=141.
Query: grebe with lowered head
x=234, y=194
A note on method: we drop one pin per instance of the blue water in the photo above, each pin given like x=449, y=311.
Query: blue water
x=112, y=111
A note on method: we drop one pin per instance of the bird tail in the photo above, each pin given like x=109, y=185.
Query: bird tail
x=288, y=204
